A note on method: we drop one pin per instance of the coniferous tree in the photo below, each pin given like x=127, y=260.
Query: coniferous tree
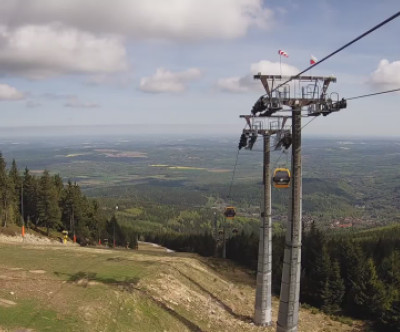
x=316, y=268
x=333, y=291
x=390, y=269
x=370, y=293
x=30, y=197
x=67, y=207
x=114, y=229
x=48, y=209
x=351, y=261
x=76, y=211
x=59, y=186
x=13, y=174
x=94, y=222
x=131, y=238
x=15, y=183
x=5, y=192
x=319, y=277
x=391, y=316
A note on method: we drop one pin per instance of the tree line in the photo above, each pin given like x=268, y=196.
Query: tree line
x=46, y=202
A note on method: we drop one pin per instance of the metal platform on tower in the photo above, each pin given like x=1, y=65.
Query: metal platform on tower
x=284, y=93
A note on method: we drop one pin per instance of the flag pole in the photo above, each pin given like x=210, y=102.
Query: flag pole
x=280, y=62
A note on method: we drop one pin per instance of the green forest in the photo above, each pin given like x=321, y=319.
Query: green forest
x=46, y=204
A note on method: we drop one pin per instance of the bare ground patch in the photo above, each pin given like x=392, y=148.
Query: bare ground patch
x=7, y=303
x=37, y=271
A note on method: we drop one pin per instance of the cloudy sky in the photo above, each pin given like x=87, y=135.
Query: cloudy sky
x=190, y=62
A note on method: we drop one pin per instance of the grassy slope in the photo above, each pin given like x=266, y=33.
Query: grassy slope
x=57, y=288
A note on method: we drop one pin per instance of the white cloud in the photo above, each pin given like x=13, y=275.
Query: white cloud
x=158, y=19
x=237, y=84
x=273, y=68
x=10, y=93
x=387, y=74
x=167, y=81
x=247, y=83
x=49, y=50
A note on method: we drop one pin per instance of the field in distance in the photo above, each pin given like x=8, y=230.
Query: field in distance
x=350, y=181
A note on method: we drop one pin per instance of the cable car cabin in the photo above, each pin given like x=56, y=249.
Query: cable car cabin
x=281, y=178
x=230, y=212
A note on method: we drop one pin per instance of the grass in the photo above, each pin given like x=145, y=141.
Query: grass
x=65, y=264
x=34, y=315
x=59, y=288
x=78, y=282
x=131, y=212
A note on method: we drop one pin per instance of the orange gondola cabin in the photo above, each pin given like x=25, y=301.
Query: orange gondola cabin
x=229, y=212
x=281, y=178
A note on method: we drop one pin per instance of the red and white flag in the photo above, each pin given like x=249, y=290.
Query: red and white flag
x=282, y=52
x=313, y=60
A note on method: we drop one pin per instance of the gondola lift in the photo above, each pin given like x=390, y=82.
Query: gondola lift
x=281, y=178
x=229, y=212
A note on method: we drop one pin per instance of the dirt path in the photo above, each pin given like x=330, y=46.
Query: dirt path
x=32, y=239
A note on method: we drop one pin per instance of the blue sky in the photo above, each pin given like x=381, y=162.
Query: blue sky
x=189, y=62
